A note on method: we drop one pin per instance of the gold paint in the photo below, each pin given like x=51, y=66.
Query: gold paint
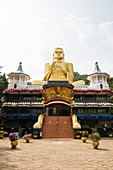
x=75, y=123
x=1, y=136
x=58, y=92
x=78, y=136
x=14, y=144
x=104, y=129
x=58, y=54
x=27, y=139
x=84, y=139
x=59, y=70
x=35, y=136
x=95, y=144
x=71, y=111
x=110, y=135
x=38, y=125
x=38, y=82
x=79, y=82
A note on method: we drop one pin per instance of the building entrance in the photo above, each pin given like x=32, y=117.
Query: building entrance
x=58, y=110
x=57, y=122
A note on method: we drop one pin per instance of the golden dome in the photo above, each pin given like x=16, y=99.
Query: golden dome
x=78, y=83
x=38, y=82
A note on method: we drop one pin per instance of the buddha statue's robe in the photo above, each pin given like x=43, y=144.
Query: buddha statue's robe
x=59, y=71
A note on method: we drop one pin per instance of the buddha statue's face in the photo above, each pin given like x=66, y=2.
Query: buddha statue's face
x=58, y=54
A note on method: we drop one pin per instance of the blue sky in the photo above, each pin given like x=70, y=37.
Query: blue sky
x=31, y=29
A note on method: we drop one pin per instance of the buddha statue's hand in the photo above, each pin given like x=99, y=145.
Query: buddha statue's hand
x=53, y=66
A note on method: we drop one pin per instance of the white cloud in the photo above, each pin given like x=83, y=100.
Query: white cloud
x=36, y=68
x=85, y=67
x=83, y=27
x=29, y=34
x=107, y=67
x=106, y=32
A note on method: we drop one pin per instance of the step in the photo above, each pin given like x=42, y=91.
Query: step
x=57, y=127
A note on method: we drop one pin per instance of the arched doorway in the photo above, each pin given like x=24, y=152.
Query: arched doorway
x=57, y=109
x=57, y=120
x=101, y=86
x=15, y=86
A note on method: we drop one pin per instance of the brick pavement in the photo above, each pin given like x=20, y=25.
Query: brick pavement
x=68, y=154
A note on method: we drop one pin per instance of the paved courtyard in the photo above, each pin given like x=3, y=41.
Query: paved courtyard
x=56, y=155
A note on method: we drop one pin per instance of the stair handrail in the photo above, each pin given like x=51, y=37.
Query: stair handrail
x=75, y=123
x=39, y=123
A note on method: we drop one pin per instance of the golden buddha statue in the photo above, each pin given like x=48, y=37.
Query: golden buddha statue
x=59, y=70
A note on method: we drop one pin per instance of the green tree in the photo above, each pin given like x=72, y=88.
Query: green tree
x=110, y=82
x=111, y=87
x=28, y=83
x=111, y=99
x=83, y=77
x=3, y=83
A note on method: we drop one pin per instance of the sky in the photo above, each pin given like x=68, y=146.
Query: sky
x=30, y=30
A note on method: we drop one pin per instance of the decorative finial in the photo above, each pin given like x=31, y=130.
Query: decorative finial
x=97, y=69
x=20, y=67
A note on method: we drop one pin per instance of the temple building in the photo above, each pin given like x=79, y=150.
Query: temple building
x=57, y=106
x=18, y=79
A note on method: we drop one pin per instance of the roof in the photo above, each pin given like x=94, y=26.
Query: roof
x=97, y=70
x=19, y=71
x=91, y=104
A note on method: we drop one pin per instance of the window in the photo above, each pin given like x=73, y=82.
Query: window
x=37, y=98
x=93, y=79
x=78, y=98
x=102, y=111
x=79, y=111
x=101, y=98
x=15, y=86
x=89, y=98
x=18, y=78
x=27, y=98
x=37, y=110
x=13, y=97
x=74, y=110
x=90, y=111
x=23, y=78
x=12, y=110
x=99, y=78
x=25, y=110
x=101, y=86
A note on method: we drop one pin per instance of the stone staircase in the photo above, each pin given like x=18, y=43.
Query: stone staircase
x=57, y=127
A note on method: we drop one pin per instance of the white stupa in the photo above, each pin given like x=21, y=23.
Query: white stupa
x=98, y=79
x=18, y=79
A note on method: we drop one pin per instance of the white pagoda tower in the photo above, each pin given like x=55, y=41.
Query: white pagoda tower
x=18, y=79
x=98, y=79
